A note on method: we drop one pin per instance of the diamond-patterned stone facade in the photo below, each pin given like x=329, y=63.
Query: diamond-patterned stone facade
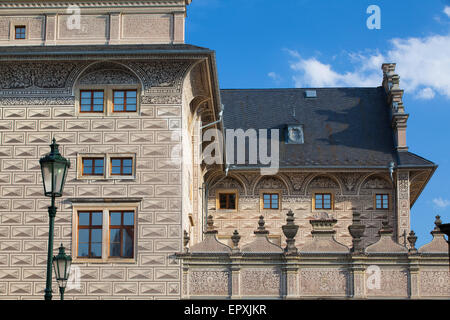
x=26, y=134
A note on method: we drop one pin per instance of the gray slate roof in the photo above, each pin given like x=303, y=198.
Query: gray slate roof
x=343, y=127
x=102, y=49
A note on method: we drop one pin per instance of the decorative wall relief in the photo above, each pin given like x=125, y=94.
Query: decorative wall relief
x=208, y=283
x=297, y=180
x=261, y=282
x=271, y=182
x=162, y=75
x=393, y=283
x=435, y=283
x=110, y=76
x=323, y=282
x=39, y=77
x=350, y=181
x=375, y=182
x=162, y=80
x=23, y=101
x=227, y=183
x=403, y=224
x=323, y=182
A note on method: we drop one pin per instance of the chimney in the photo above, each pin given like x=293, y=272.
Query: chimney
x=391, y=84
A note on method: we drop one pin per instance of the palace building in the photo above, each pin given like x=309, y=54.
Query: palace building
x=144, y=216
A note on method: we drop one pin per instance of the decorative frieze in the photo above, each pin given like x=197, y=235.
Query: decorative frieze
x=208, y=283
x=435, y=283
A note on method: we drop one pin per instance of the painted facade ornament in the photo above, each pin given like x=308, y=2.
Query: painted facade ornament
x=323, y=182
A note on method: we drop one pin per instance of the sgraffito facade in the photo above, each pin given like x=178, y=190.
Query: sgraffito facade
x=128, y=103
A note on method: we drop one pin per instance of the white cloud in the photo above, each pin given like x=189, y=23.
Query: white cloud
x=275, y=77
x=425, y=93
x=447, y=11
x=422, y=63
x=441, y=203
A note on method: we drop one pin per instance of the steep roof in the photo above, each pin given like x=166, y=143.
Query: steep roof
x=343, y=127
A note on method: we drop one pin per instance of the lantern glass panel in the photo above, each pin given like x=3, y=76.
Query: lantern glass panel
x=60, y=172
x=47, y=176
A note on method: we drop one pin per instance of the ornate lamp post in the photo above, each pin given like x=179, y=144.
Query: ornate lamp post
x=54, y=172
x=61, y=264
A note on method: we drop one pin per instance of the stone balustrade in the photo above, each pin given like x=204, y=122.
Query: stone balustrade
x=322, y=268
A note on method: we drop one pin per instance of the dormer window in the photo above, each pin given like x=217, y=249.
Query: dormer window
x=294, y=134
x=20, y=32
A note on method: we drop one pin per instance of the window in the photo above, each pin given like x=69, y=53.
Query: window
x=124, y=101
x=294, y=134
x=121, y=234
x=93, y=167
x=270, y=201
x=91, y=101
x=104, y=231
x=121, y=166
x=90, y=234
x=322, y=201
x=227, y=200
x=94, y=100
x=20, y=32
x=382, y=201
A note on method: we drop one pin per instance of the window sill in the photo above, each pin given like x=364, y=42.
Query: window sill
x=104, y=261
x=269, y=210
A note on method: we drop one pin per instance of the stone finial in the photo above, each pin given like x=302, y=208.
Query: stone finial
x=412, y=238
x=437, y=224
x=261, y=228
x=210, y=244
x=186, y=239
x=210, y=225
x=438, y=244
x=356, y=231
x=385, y=227
x=235, y=238
x=290, y=231
x=261, y=244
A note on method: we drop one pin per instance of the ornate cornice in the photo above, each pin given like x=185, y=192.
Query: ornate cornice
x=43, y=81
x=19, y=101
x=89, y=4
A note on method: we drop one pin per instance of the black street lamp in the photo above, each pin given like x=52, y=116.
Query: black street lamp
x=54, y=172
x=61, y=264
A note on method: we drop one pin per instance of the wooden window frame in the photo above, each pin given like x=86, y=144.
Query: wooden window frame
x=121, y=166
x=93, y=167
x=271, y=194
x=92, y=91
x=107, y=170
x=227, y=191
x=88, y=227
x=24, y=32
x=323, y=194
x=124, y=100
x=227, y=202
x=121, y=227
x=105, y=206
x=382, y=201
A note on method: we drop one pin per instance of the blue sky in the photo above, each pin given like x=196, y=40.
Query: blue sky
x=311, y=43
